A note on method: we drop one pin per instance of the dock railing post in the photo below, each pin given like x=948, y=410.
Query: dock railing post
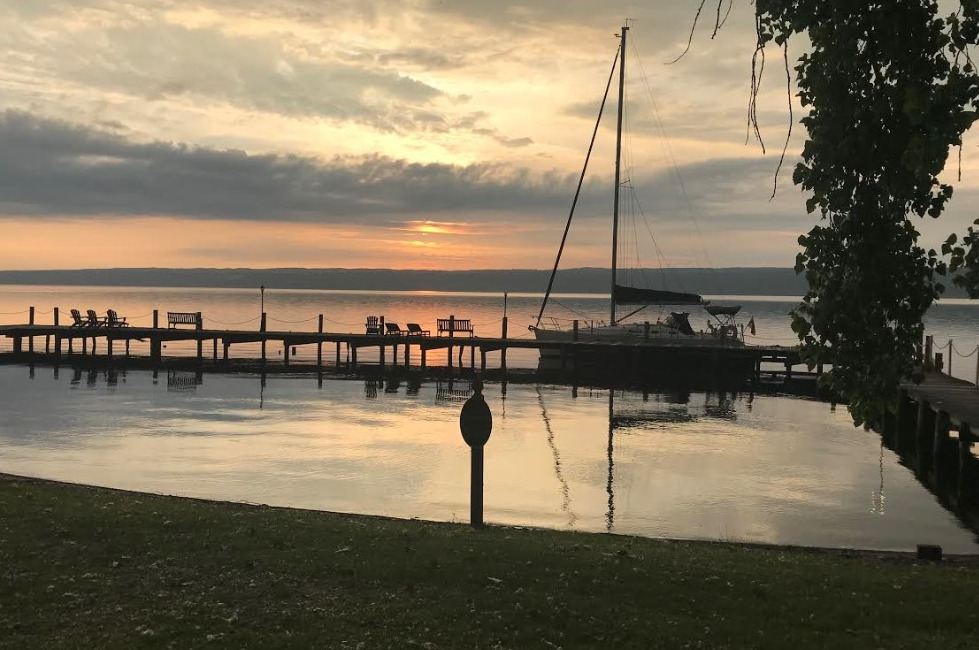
x=156, y=318
x=929, y=347
x=452, y=327
x=319, y=345
x=57, y=337
x=200, y=342
x=261, y=328
x=503, y=349
x=30, y=317
x=950, y=355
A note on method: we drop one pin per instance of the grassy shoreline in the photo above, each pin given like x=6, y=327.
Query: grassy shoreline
x=85, y=567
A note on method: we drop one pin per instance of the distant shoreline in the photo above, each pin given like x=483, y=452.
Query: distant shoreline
x=753, y=281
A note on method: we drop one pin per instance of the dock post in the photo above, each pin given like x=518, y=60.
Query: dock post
x=30, y=339
x=472, y=357
x=901, y=420
x=929, y=347
x=424, y=350
x=18, y=345
x=108, y=346
x=285, y=352
x=482, y=359
x=645, y=331
x=452, y=327
x=338, y=354
x=200, y=342
x=503, y=349
x=227, y=348
x=950, y=355
x=156, y=318
x=353, y=357
x=215, y=348
x=977, y=366
x=574, y=334
x=261, y=328
x=319, y=346
x=943, y=424
x=57, y=339
x=965, y=459
x=407, y=355
x=925, y=427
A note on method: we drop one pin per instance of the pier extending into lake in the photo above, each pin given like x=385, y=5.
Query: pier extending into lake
x=55, y=340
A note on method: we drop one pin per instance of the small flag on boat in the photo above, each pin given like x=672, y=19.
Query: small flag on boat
x=751, y=325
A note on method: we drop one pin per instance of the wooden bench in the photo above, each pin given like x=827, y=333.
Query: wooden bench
x=450, y=327
x=175, y=318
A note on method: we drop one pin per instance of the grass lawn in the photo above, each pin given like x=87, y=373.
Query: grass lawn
x=85, y=567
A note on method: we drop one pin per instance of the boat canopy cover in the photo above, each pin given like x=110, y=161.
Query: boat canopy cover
x=722, y=310
x=634, y=296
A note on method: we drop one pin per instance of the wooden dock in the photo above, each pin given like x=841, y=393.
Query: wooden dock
x=932, y=433
x=112, y=343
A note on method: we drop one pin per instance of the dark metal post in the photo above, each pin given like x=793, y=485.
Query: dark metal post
x=156, y=318
x=476, y=424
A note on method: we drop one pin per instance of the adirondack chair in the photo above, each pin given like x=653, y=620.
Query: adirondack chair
x=393, y=329
x=112, y=319
x=373, y=325
x=414, y=329
x=93, y=319
x=76, y=318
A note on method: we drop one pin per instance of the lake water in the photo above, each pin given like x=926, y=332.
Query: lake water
x=761, y=468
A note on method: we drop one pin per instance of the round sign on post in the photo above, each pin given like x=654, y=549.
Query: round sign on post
x=476, y=423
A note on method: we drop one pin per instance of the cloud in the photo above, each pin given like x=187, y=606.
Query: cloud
x=50, y=167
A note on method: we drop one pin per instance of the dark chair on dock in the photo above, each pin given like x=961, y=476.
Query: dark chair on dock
x=77, y=320
x=414, y=329
x=112, y=319
x=93, y=319
x=393, y=329
x=373, y=325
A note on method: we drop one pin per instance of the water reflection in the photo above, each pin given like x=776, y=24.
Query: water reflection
x=716, y=465
x=944, y=460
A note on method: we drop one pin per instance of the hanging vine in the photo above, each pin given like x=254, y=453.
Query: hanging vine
x=890, y=88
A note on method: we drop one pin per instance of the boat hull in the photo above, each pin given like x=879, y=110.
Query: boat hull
x=660, y=357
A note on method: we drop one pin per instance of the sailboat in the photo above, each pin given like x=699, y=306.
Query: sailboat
x=675, y=329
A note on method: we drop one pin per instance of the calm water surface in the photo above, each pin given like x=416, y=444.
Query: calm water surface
x=690, y=465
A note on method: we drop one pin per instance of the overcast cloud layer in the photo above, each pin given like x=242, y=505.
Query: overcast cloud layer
x=449, y=134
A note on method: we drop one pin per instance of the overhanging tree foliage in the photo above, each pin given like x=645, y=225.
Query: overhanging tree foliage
x=890, y=89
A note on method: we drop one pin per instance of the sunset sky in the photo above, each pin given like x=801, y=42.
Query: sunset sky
x=417, y=134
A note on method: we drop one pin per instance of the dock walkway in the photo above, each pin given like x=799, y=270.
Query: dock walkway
x=56, y=340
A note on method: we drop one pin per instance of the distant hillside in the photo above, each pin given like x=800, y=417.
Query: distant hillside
x=754, y=281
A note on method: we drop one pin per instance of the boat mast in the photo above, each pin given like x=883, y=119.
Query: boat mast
x=618, y=161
